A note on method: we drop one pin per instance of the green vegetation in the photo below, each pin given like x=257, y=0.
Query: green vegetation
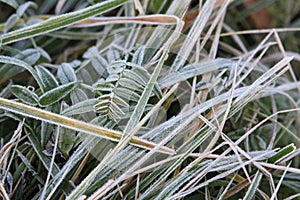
x=148, y=99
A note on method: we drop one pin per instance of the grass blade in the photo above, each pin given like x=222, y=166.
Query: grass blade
x=74, y=124
x=253, y=187
x=59, y=22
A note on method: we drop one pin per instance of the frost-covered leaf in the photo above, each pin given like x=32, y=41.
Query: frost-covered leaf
x=65, y=141
x=195, y=69
x=126, y=93
x=144, y=74
x=130, y=84
x=47, y=128
x=24, y=94
x=56, y=94
x=31, y=56
x=45, y=57
x=131, y=74
x=78, y=95
x=59, y=22
x=120, y=101
x=98, y=62
x=13, y=66
x=112, y=78
x=116, y=67
x=138, y=56
x=66, y=73
x=48, y=80
x=113, y=55
x=104, y=86
x=85, y=76
x=115, y=108
x=110, y=104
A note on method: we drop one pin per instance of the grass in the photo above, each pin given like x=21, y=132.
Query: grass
x=148, y=100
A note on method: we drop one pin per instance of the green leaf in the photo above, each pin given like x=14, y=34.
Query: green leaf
x=25, y=95
x=120, y=101
x=29, y=56
x=138, y=56
x=128, y=94
x=131, y=84
x=48, y=80
x=19, y=63
x=98, y=62
x=282, y=153
x=104, y=86
x=56, y=94
x=78, y=95
x=132, y=74
x=65, y=141
x=59, y=22
x=66, y=73
x=47, y=128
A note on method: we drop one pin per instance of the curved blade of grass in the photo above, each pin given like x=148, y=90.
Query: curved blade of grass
x=20, y=63
x=59, y=22
x=74, y=124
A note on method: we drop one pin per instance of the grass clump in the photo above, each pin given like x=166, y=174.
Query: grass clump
x=147, y=100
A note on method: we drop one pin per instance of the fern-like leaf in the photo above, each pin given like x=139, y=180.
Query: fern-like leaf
x=124, y=85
